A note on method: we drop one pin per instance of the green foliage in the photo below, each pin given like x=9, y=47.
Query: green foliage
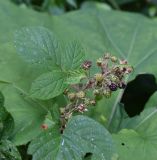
x=82, y=135
x=53, y=64
x=8, y=151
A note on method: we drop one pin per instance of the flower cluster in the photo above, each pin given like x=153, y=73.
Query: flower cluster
x=102, y=84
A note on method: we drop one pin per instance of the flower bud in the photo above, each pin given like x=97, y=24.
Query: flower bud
x=93, y=102
x=114, y=78
x=99, y=61
x=80, y=94
x=129, y=70
x=123, y=62
x=107, y=93
x=113, y=59
x=71, y=96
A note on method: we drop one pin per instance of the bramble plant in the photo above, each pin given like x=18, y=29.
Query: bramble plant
x=80, y=87
x=69, y=73
x=102, y=84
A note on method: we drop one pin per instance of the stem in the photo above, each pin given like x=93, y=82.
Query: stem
x=114, y=108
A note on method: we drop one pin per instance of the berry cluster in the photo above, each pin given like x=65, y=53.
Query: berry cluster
x=109, y=79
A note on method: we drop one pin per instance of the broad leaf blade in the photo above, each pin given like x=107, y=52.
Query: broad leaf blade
x=142, y=141
x=38, y=45
x=49, y=85
x=82, y=135
x=73, y=56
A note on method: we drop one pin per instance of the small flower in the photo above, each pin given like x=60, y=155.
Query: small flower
x=113, y=87
x=86, y=65
x=80, y=94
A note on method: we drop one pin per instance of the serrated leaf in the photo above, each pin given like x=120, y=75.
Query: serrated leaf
x=75, y=77
x=141, y=141
x=73, y=56
x=49, y=85
x=8, y=151
x=82, y=135
x=38, y=45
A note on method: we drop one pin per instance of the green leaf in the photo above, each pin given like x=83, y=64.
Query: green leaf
x=142, y=140
x=73, y=56
x=38, y=45
x=8, y=151
x=49, y=85
x=82, y=135
x=152, y=102
x=28, y=114
x=75, y=77
x=132, y=39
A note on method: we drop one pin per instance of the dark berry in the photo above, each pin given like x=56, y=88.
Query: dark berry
x=113, y=87
x=122, y=85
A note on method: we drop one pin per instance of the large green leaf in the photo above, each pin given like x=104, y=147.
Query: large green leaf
x=28, y=114
x=39, y=46
x=140, y=142
x=82, y=135
x=16, y=77
x=133, y=39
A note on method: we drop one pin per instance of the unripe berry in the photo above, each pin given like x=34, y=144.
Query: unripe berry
x=99, y=61
x=71, y=96
x=107, y=93
x=114, y=59
x=113, y=87
x=93, y=102
x=114, y=78
x=80, y=94
x=129, y=70
x=81, y=108
x=96, y=92
x=99, y=77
